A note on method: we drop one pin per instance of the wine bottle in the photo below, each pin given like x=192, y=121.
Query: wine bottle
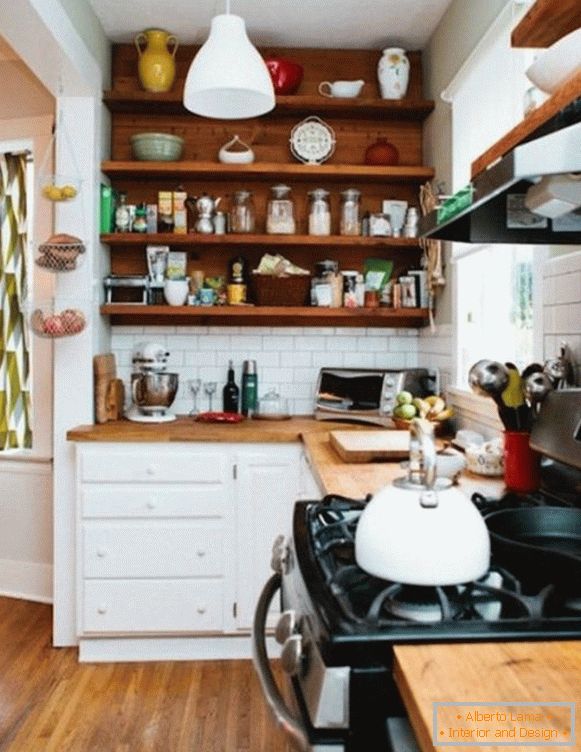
x=230, y=393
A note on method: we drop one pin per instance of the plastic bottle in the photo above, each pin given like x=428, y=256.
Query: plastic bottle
x=249, y=388
x=230, y=393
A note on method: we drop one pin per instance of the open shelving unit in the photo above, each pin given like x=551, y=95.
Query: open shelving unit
x=357, y=124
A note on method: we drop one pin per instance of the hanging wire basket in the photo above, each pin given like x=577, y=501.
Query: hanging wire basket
x=59, y=188
x=61, y=253
x=56, y=319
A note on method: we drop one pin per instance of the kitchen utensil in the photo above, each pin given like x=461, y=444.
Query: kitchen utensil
x=115, y=399
x=157, y=147
x=543, y=541
x=342, y=89
x=560, y=369
x=535, y=387
x=558, y=63
x=312, y=141
x=516, y=415
x=104, y=372
x=530, y=369
x=210, y=390
x=422, y=533
x=211, y=417
x=153, y=390
x=488, y=378
x=366, y=446
x=204, y=207
x=193, y=388
x=236, y=151
x=286, y=75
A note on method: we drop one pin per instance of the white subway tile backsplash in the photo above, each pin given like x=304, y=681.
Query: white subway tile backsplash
x=157, y=331
x=307, y=342
x=295, y=359
x=331, y=359
x=246, y=342
x=373, y=344
x=122, y=341
x=343, y=344
x=214, y=342
x=281, y=343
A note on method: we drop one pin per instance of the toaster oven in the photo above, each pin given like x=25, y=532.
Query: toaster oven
x=367, y=395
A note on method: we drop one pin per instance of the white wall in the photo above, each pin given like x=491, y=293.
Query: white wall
x=288, y=358
x=562, y=306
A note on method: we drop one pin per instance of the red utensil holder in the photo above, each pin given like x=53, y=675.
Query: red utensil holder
x=522, y=465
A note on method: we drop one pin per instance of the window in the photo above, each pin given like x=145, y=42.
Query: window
x=493, y=283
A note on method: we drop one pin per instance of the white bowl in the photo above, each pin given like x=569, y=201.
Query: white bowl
x=557, y=64
x=487, y=459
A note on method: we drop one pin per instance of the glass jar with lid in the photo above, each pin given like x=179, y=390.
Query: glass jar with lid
x=319, y=212
x=242, y=214
x=280, y=219
x=350, y=223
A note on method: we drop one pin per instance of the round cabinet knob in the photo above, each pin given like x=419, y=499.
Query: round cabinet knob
x=292, y=655
x=389, y=381
x=285, y=627
x=152, y=504
x=101, y=553
x=151, y=470
x=201, y=610
x=201, y=553
x=101, y=609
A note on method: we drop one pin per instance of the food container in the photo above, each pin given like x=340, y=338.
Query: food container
x=157, y=147
x=272, y=406
x=281, y=291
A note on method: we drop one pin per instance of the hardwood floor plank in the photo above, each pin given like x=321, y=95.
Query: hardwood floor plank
x=51, y=703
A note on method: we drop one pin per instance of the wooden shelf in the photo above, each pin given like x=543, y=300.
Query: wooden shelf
x=136, y=315
x=138, y=240
x=546, y=22
x=170, y=103
x=564, y=96
x=270, y=170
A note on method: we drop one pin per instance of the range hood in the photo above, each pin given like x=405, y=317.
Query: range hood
x=498, y=212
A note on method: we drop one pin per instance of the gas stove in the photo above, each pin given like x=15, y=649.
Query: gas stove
x=340, y=624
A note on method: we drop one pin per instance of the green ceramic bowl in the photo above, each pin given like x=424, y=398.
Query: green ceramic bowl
x=157, y=147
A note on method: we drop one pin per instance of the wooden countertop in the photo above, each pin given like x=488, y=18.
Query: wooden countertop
x=358, y=480
x=187, y=429
x=490, y=672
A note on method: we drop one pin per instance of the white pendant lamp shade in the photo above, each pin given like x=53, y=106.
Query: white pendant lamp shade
x=228, y=78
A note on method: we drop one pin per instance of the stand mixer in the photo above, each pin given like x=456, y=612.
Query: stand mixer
x=152, y=389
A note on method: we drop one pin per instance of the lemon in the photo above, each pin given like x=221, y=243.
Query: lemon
x=68, y=191
x=54, y=193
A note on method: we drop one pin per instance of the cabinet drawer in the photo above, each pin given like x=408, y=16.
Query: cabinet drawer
x=152, y=463
x=152, y=606
x=154, y=500
x=155, y=549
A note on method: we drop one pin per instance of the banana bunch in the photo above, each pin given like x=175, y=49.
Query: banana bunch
x=432, y=408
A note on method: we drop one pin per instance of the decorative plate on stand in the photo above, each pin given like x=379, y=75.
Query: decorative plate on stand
x=312, y=141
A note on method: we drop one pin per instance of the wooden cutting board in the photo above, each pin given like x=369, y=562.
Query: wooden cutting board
x=366, y=446
x=104, y=372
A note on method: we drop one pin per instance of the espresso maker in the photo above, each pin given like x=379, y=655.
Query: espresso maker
x=153, y=390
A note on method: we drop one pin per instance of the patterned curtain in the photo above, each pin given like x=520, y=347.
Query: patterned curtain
x=15, y=429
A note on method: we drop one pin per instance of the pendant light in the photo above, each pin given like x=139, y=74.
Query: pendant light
x=228, y=79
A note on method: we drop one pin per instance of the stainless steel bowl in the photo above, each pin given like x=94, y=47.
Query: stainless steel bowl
x=154, y=392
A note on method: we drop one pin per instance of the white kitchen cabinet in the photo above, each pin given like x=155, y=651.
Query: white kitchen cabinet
x=175, y=540
x=268, y=484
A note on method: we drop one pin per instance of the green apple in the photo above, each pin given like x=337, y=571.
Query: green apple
x=404, y=398
x=407, y=411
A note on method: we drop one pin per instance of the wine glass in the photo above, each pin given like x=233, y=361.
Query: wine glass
x=194, y=387
x=210, y=388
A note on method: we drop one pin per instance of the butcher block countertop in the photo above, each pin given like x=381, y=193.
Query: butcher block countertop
x=187, y=429
x=493, y=673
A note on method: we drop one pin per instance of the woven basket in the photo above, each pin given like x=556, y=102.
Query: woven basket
x=281, y=291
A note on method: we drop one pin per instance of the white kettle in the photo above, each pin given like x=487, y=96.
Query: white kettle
x=421, y=531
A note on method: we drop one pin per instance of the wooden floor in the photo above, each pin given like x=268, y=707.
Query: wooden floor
x=50, y=702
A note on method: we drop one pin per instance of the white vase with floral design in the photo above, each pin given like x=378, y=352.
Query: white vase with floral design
x=393, y=72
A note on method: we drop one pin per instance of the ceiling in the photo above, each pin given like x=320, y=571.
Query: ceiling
x=366, y=24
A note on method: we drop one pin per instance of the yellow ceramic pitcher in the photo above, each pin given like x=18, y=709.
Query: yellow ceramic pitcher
x=156, y=67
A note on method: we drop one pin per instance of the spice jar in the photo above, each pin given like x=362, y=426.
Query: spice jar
x=319, y=212
x=242, y=212
x=280, y=218
x=350, y=210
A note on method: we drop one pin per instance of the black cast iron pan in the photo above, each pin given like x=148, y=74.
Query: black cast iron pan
x=541, y=542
